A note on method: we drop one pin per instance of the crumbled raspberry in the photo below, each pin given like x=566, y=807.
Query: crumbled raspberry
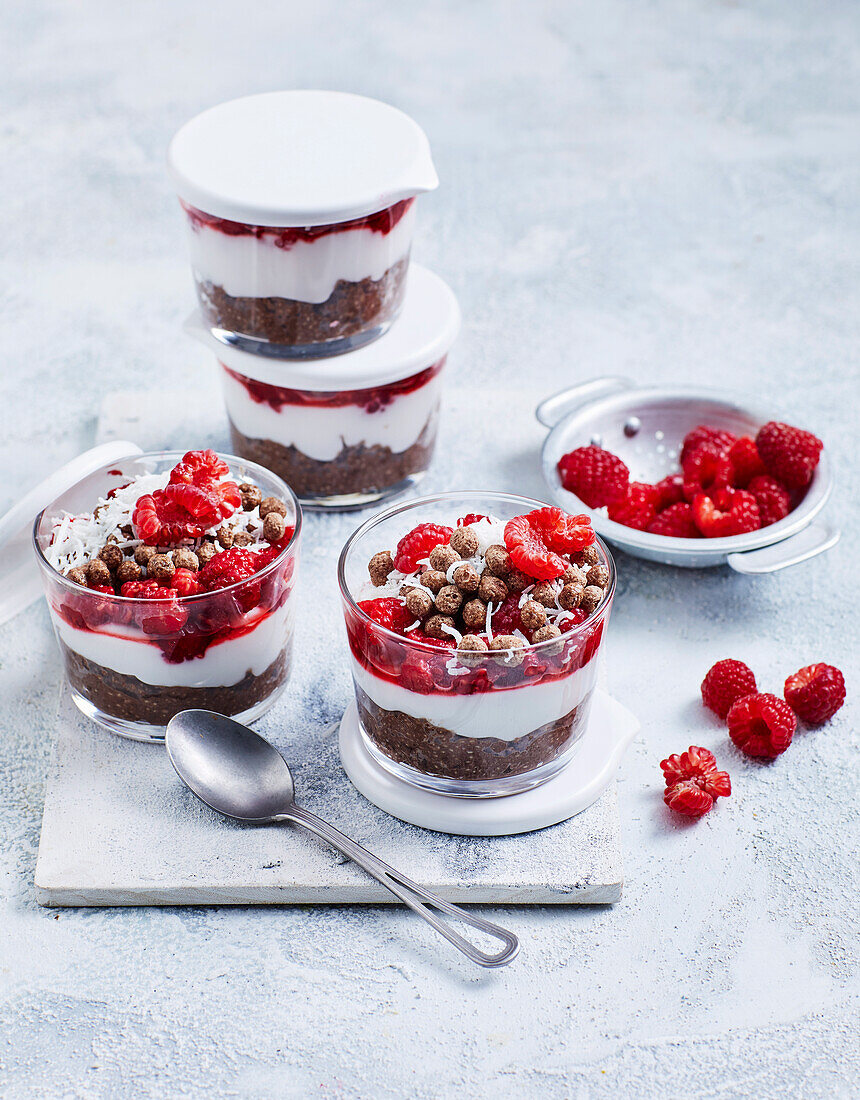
x=416, y=675
x=725, y=683
x=537, y=540
x=267, y=554
x=700, y=765
x=417, y=544
x=638, y=508
x=670, y=490
x=144, y=590
x=184, y=581
x=472, y=517
x=688, y=798
x=790, y=454
x=815, y=693
x=772, y=497
x=437, y=643
x=506, y=618
x=731, y=512
x=228, y=567
x=746, y=462
x=168, y=618
x=388, y=611
x=105, y=589
x=761, y=725
x=676, y=521
x=691, y=775
x=596, y=476
x=706, y=470
x=716, y=438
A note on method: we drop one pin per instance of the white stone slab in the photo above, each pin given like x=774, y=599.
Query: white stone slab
x=120, y=829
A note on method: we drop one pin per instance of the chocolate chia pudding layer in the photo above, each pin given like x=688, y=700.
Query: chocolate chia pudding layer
x=356, y=470
x=131, y=699
x=352, y=308
x=438, y=751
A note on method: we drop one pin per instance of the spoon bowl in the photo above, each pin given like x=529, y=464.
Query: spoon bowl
x=240, y=774
x=229, y=767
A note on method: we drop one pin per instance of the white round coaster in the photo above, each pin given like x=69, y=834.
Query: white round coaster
x=610, y=730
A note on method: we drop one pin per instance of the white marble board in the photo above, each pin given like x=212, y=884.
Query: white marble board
x=119, y=829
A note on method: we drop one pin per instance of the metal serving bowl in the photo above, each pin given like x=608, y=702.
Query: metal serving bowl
x=645, y=426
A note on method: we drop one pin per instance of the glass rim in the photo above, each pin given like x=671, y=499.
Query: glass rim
x=438, y=498
x=79, y=589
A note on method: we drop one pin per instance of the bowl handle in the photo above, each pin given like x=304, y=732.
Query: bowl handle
x=811, y=541
x=552, y=409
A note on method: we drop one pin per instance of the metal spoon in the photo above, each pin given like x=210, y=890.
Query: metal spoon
x=238, y=773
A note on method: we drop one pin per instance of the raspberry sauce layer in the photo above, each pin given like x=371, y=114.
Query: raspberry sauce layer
x=382, y=222
x=372, y=400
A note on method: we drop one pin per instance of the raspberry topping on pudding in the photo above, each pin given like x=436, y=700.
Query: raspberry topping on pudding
x=165, y=537
x=486, y=585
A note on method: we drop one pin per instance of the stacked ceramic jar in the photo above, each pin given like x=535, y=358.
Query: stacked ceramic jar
x=331, y=346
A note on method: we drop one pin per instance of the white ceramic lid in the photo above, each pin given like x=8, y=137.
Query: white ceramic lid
x=423, y=332
x=300, y=158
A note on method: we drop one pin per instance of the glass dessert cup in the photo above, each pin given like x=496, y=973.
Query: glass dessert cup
x=480, y=725
x=301, y=292
x=132, y=664
x=338, y=449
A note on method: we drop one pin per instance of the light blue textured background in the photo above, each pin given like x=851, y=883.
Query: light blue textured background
x=663, y=189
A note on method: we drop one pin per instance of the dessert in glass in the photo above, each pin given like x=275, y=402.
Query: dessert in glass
x=475, y=621
x=169, y=579
x=357, y=428
x=300, y=208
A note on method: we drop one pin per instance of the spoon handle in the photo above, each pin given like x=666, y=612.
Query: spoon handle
x=413, y=895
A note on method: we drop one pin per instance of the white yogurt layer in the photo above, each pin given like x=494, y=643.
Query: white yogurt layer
x=307, y=271
x=128, y=651
x=506, y=714
x=322, y=433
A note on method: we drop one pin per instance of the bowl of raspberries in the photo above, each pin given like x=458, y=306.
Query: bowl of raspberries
x=688, y=476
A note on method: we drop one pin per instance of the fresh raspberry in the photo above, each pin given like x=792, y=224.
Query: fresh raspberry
x=185, y=583
x=725, y=683
x=691, y=774
x=675, y=521
x=388, y=611
x=706, y=470
x=417, y=544
x=815, y=693
x=506, y=618
x=688, y=798
x=105, y=589
x=228, y=567
x=670, y=490
x=772, y=497
x=537, y=540
x=596, y=476
x=790, y=454
x=472, y=517
x=746, y=462
x=638, y=508
x=761, y=725
x=200, y=468
x=732, y=512
x=717, y=438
